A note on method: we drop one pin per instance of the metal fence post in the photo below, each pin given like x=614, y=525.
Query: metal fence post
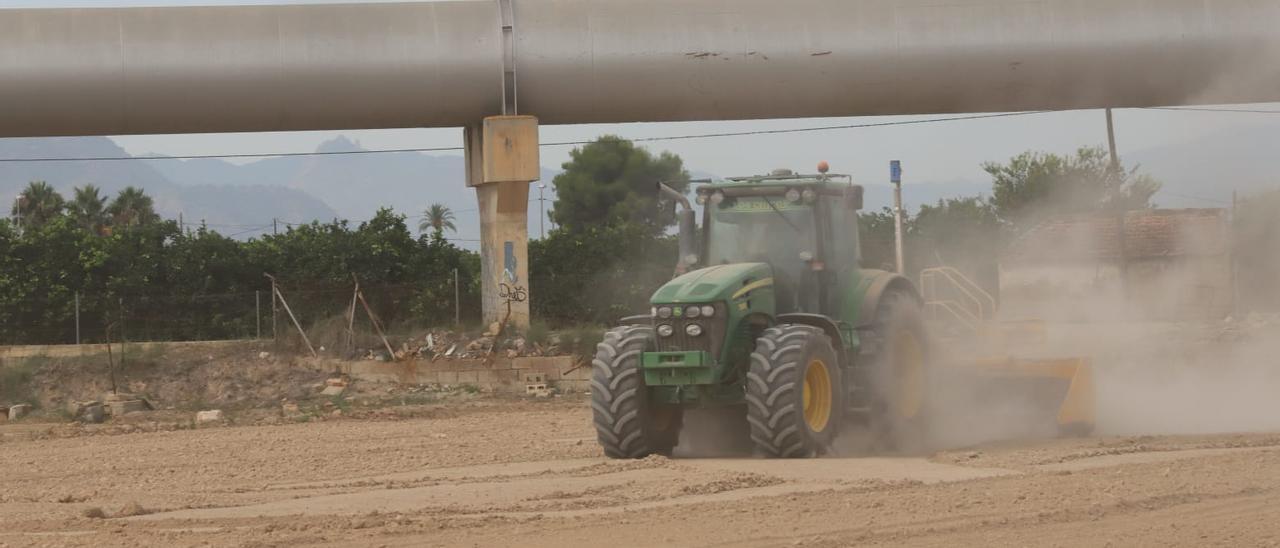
x=77, y=317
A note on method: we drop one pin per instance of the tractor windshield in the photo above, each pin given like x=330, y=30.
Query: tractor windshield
x=765, y=229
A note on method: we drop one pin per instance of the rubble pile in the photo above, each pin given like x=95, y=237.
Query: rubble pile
x=441, y=344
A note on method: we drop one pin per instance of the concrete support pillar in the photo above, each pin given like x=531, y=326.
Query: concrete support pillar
x=502, y=159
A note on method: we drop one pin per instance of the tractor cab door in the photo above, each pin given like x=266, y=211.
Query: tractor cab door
x=840, y=243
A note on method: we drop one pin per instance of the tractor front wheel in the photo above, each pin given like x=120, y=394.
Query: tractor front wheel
x=627, y=425
x=794, y=402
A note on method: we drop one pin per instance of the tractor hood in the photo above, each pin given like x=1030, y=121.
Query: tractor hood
x=714, y=284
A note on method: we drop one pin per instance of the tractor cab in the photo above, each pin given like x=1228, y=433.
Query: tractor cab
x=803, y=226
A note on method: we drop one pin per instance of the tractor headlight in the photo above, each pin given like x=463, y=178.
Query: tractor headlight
x=693, y=311
x=664, y=312
x=708, y=311
x=693, y=330
x=809, y=195
x=793, y=195
x=665, y=330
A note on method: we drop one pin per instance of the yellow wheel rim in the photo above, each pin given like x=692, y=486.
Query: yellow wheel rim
x=817, y=395
x=909, y=369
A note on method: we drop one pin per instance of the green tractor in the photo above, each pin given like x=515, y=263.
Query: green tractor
x=772, y=319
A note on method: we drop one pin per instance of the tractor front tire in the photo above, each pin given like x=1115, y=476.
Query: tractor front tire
x=794, y=394
x=627, y=425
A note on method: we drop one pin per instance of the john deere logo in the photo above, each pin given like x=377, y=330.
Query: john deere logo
x=677, y=312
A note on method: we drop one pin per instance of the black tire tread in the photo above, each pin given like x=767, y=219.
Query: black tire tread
x=777, y=425
x=617, y=393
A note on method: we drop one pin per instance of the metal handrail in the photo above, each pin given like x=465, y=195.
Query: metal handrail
x=958, y=312
x=960, y=282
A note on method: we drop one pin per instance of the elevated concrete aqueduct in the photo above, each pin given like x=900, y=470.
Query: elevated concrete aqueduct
x=492, y=66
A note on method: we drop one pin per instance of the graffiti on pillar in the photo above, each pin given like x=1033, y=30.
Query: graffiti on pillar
x=512, y=293
x=509, y=262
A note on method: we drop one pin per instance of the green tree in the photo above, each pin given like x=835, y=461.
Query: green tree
x=1035, y=184
x=437, y=219
x=612, y=182
x=37, y=204
x=598, y=275
x=875, y=232
x=89, y=209
x=132, y=207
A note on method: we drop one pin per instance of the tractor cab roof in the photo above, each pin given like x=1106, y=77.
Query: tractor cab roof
x=777, y=178
x=778, y=182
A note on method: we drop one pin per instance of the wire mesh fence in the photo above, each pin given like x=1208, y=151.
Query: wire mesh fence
x=325, y=309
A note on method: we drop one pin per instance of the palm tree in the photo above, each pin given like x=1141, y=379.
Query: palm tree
x=37, y=204
x=437, y=218
x=132, y=207
x=89, y=208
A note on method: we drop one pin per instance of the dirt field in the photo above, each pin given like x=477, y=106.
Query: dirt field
x=519, y=472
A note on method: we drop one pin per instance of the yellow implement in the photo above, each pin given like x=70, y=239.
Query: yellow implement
x=988, y=375
x=1065, y=384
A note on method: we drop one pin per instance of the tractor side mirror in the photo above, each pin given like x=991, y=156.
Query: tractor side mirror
x=853, y=197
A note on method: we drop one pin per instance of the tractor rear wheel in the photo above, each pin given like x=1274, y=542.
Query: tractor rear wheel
x=794, y=396
x=627, y=425
x=902, y=376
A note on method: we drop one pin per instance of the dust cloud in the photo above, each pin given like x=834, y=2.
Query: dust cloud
x=1171, y=351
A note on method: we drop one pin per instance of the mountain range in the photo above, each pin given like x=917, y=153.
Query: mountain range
x=247, y=199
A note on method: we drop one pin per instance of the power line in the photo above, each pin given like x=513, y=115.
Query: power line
x=552, y=144
x=245, y=155
x=819, y=128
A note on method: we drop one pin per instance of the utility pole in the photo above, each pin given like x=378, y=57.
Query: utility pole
x=895, y=177
x=542, y=212
x=1118, y=205
x=1232, y=227
x=274, y=231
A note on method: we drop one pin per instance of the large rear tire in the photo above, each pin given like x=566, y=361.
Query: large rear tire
x=794, y=395
x=902, y=375
x=627, y=425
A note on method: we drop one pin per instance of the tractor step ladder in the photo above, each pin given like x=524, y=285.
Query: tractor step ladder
x=951, y=298
x=960, y=310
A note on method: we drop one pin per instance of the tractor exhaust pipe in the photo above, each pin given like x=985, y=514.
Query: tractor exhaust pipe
x=688, y=228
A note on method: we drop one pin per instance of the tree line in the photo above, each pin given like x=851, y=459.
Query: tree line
x=610, y=249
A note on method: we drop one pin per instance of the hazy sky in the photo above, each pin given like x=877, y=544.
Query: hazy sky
x=930, y=152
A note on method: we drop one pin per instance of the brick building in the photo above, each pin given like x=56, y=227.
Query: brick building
x=1176, y=262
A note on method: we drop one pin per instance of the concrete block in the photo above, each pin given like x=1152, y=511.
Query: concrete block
x=574, y=386
x=214, y=415
x=427, y=377
x=468, y=377
x=549, y=365
x=118, y=408
x=334, y=390
x=447, y=377
x=510, y=149
x=18, y=411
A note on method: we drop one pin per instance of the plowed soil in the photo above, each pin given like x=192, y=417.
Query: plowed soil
x=528, y=473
